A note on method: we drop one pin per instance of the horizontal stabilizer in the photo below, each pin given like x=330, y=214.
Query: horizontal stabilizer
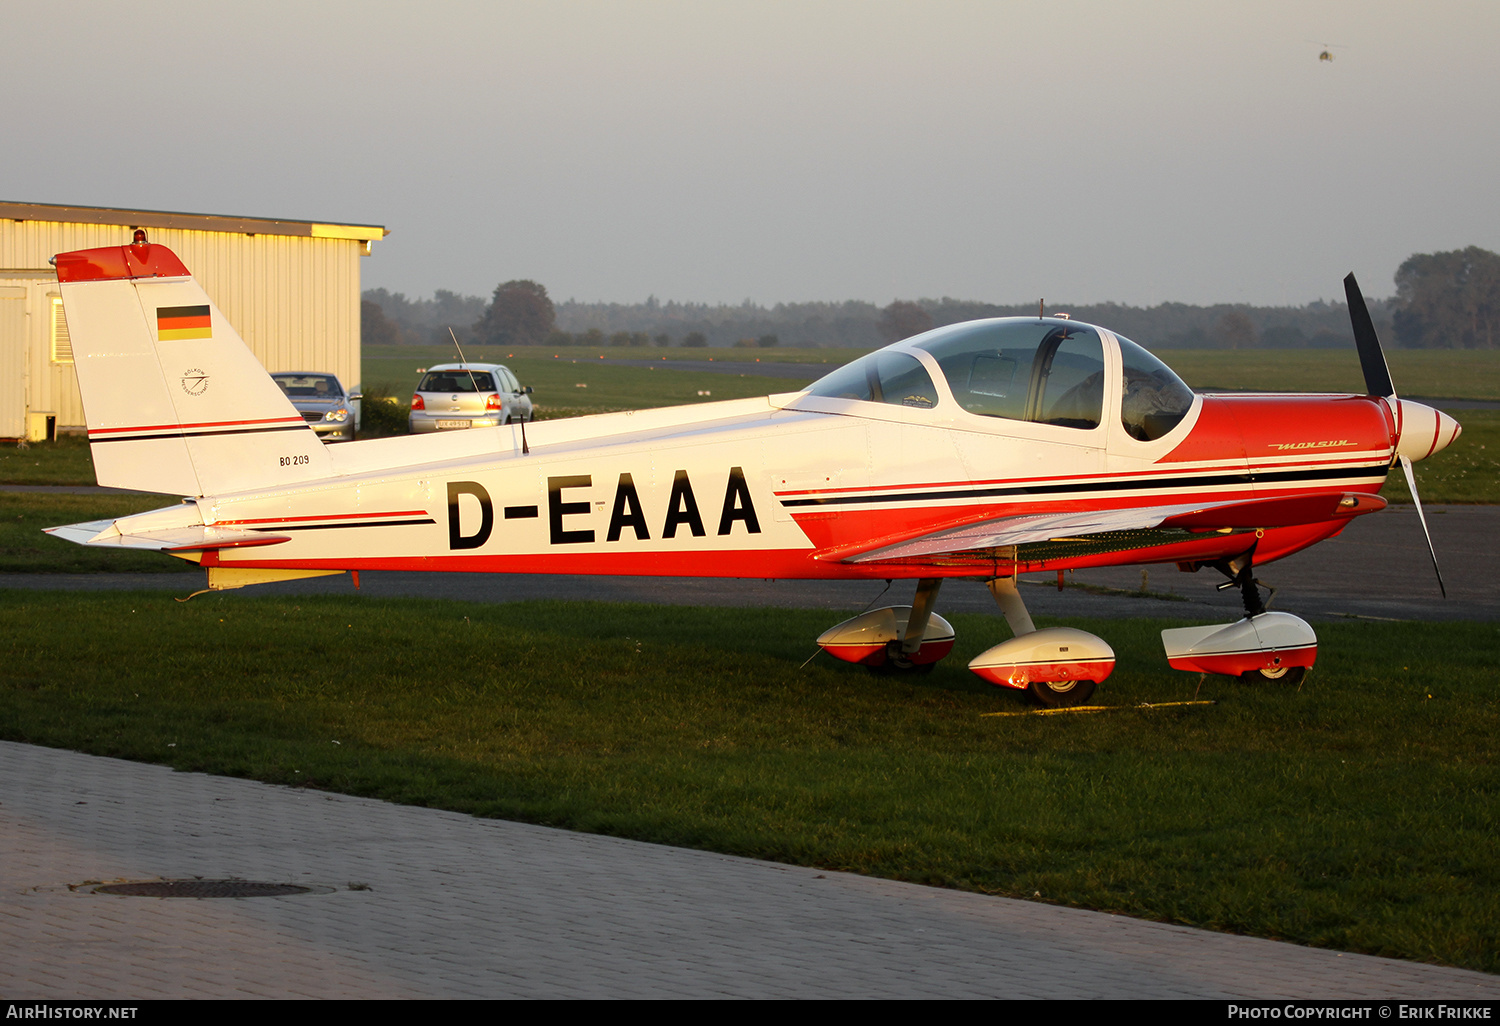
x=177, y=539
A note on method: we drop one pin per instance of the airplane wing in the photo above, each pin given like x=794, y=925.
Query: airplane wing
x=1283, y=511
x=174, y=540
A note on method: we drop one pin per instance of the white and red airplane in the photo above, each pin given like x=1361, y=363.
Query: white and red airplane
x=980, y=450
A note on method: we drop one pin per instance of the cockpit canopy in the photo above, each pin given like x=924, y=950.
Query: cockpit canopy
x=1044, y=371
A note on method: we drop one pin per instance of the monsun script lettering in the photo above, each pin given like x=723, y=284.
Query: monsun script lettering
x=1331, y=444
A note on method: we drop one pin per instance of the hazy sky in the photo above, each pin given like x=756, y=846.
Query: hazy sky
x=720, y=150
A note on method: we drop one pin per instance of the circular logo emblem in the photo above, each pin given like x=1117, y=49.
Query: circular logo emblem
x=194, y=381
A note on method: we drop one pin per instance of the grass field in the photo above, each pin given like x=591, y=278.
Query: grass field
x=605, y=387
x=25, y=548
x=1358, y=813
x=1437, y=373
x=63, y=462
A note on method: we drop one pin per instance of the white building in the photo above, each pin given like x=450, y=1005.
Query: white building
x=291, y=289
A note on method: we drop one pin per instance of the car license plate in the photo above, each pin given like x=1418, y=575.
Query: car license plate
x=447, y=424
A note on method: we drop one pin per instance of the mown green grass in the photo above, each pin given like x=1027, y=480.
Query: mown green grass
x=26, y=548
x=605, y=387
x=1437, y=373
x=63, y=462
x=421, y=356
x=1358, y=812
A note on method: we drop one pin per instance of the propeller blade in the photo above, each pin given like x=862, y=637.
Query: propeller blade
x=1371, y=357
x=1411, y=483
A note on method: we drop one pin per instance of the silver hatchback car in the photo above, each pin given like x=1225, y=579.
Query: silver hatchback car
x=331, y=412
x=465, y=395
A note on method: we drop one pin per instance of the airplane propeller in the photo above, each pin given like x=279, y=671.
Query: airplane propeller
x=1378, y=382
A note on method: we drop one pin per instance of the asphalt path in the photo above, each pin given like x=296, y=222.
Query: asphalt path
x=1377, y=568
x=410, y=902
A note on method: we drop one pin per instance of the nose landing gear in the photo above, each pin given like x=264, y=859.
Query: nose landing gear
x=1263, y=647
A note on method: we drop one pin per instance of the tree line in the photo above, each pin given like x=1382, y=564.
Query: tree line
x=1442, y=300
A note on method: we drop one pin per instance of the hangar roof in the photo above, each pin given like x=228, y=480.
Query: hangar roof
x=195, y=222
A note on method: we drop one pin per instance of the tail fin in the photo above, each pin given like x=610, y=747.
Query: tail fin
x=174, y=399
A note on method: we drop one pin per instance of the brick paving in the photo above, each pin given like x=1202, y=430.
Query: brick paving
x=422, y=903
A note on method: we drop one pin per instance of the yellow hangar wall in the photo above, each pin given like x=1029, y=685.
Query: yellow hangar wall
x=291, y=289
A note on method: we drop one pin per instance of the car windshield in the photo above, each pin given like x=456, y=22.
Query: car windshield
x=309, y=386
x=1044, y=371
x=457, y=381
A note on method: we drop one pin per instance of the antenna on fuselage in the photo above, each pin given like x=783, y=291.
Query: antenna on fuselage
x=465, y=361
x=1041, y=304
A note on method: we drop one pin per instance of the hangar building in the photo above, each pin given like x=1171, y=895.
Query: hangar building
x=291, y=289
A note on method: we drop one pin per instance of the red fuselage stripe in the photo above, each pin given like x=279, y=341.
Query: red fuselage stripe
x=205, y=424
x=799, y=564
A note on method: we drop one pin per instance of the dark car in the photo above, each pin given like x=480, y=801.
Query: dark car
x=323, y=403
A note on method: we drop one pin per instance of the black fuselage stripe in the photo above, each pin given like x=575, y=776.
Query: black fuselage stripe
x=1135, y=484
x=200, y=434
x=324, y=527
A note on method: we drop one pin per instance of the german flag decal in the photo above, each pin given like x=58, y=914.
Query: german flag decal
x=174, y=323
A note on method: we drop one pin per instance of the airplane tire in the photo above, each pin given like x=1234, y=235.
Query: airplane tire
x=895, y=663
x=1288, y=675
x=1062, y=693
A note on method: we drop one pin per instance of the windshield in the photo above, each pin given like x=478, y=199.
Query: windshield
x=457, y=381
x=1156, y=399
x=898, y=379
x=1043, y=371
x=309, y=386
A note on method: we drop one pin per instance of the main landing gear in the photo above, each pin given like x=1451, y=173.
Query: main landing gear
x=1059, y=666
x=1263, y=647
x=898, y=639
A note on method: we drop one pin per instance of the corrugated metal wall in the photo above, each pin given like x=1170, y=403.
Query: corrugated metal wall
x=12, y=360
x=294, y=300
